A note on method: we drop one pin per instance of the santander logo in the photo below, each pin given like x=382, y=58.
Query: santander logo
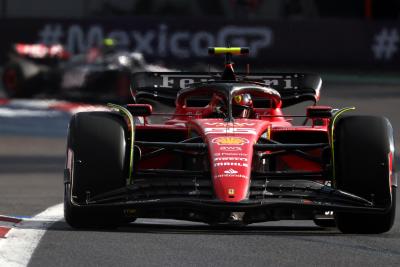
x=231, y=171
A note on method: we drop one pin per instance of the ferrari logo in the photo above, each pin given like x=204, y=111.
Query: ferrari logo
x=230, y=141
x=231, y=191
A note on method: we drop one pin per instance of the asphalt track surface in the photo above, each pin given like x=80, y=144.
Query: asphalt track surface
x=31, y=170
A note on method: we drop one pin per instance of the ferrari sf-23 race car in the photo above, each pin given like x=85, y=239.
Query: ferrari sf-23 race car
x=228, y=155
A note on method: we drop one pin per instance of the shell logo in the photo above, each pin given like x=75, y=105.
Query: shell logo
x=230, y=141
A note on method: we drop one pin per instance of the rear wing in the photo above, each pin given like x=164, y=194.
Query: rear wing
x=40, y=51
x=293, y=87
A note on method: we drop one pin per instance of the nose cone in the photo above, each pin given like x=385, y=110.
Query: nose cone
x=230, y=159
x=230, y=148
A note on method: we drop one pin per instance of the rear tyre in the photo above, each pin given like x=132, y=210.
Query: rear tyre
x=362, y=147
x=13, y=81
x=96, y=163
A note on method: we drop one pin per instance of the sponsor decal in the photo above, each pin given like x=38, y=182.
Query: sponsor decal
x=231, y=171
x=231, y=175
x=184, y=80
x=239, y=164
x=233, y=154
x=230, y=130
x=230, y=159
x=231, y=148
x=288, y=128
x=279, y=81
x=230, y=141
x=236, y=124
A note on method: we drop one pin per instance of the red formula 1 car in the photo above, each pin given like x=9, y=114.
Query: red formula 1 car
x=227, y=154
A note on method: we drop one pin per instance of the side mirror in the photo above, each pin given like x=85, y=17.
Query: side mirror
x=319, y=112
x=140, y=109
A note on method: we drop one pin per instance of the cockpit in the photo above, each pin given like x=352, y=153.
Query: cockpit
x=226, y=100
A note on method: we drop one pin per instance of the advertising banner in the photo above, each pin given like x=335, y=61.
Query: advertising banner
x=183, y=41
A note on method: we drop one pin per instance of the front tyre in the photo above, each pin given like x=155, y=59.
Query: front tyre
x=363, y=150
x=96, y=163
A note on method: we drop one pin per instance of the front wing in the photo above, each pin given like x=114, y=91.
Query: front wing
x=302, y=201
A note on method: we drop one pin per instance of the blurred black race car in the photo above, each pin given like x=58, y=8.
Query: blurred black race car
x=101, y=74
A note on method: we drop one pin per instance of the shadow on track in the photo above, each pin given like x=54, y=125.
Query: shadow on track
x=188, y=228
x=226, y=229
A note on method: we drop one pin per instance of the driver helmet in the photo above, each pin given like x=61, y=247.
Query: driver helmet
x=242, y=105
x=109, y=46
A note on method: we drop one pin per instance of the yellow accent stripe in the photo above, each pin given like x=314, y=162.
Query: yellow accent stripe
x=269, y=132
x=126, y=113
x=225, y=50
x=331, y=140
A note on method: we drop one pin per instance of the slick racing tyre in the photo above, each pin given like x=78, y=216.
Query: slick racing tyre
x=362, y=151
x=13, y=81
x=96, y=163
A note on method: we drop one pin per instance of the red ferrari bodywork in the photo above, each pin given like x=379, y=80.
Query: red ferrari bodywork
x=231, y=158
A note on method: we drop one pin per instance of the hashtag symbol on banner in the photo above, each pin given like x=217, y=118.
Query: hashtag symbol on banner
x=51, y=34
x=386, y=44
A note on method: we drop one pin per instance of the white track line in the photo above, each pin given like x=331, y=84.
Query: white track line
x=44, y=108
x=20, y=243
x=16, y=113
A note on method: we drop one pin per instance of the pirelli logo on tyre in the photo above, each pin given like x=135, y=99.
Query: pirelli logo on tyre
x=222, y=141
